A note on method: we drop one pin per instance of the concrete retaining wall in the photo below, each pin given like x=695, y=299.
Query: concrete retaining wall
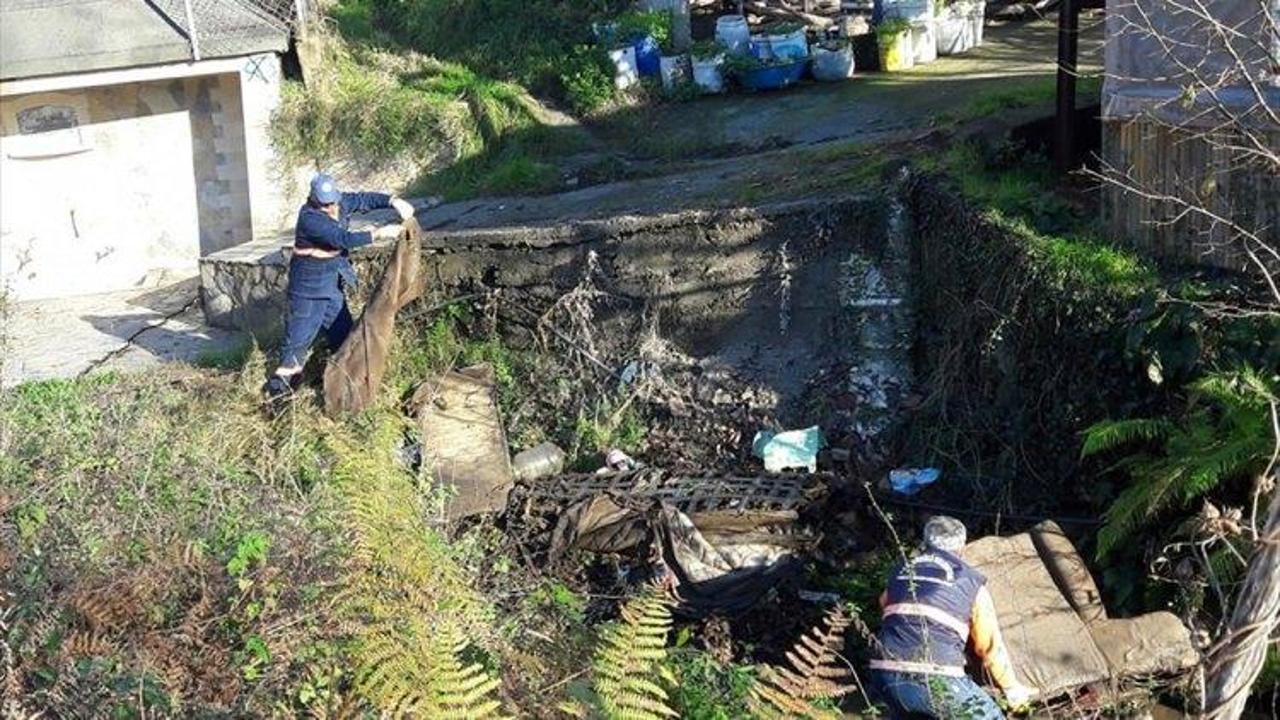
x=780, y=289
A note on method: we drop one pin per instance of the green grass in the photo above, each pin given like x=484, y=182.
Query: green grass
x=1037, y=92
x=232, y=357
x=380, y=106
x=1023, y=196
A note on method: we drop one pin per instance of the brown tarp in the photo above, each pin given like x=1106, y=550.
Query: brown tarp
x=718, y=561
x=463, y=443
x=353, y=374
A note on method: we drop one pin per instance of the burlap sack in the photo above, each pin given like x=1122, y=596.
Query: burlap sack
x=353, y=374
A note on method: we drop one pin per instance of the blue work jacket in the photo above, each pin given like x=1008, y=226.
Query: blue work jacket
x=312, y=277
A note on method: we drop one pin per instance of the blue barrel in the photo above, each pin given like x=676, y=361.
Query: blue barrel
x=648, y=56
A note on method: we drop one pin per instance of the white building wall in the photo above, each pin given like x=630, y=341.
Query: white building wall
x=153, y=175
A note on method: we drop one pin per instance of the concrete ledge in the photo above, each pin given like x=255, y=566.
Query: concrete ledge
x=243, y=287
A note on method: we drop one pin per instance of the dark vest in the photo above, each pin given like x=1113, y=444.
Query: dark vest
x=930, y=601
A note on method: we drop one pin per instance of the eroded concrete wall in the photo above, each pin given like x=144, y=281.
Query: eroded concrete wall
x=108, y=188
x=783, y=291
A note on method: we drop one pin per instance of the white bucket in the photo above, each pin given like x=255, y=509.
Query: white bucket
x=674, y=70
x=924, y=47
x=708, y=74
x=832, y=65
x=625, y=72
x=732, y=32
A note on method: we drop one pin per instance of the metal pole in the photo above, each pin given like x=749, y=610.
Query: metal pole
x=1064, y=123
x=191, y=31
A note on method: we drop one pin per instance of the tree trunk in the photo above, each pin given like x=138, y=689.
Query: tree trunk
x=1237, y=659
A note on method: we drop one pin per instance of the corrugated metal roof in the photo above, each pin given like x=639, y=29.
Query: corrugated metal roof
x=58, y=37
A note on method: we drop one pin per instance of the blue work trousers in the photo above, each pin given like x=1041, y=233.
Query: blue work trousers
x=915, y=695
x=307, y=317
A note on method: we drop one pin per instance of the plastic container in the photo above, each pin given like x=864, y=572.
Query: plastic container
x=951, y=30
x=648, y=56
x=625, y=72
x=924, y=45
x=674, y=70
x=832, y=65
x=913, y=11
x=896, y=52
x=732, y=32
x=708, y=74
x=787, y=46
x=540, y=461
x=773, y=77
x=977, y=20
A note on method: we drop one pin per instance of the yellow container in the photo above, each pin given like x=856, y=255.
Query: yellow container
x=896, y=52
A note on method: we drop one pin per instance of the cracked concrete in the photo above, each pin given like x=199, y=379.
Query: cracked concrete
x=129, y=330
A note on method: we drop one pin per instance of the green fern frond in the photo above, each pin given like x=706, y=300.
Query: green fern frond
x=1242, y=388
x=817, y=673
x=1228, y=435
x=630, y=672
x=1111, y=434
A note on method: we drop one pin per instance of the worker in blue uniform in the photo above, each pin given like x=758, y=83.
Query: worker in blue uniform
x=320, y=270
x=937, y=604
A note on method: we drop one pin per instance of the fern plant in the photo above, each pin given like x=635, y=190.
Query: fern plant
x=630, y=672
x=817, y=674
x=1225, y=434
x=405, y=600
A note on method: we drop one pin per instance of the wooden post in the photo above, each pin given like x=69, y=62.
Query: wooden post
x=1064, y=122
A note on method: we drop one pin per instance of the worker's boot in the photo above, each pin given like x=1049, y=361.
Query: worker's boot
x=279, y=390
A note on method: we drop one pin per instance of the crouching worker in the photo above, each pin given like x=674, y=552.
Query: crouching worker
x=934, y=605
x=319, y=271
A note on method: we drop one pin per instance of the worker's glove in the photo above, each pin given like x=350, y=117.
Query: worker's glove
x=1018, y=697
x=402, y=207
x=386, y=232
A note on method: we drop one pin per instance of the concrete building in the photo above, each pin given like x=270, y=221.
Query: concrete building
x=133, y=138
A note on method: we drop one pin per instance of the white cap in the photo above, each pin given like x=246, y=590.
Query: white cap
x=945, y=533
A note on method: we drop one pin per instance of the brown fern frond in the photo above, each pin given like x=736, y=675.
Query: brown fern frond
x=816, y=673
x=87, y=643
x=107, y=609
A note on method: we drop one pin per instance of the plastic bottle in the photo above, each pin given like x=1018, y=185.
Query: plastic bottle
x=541, y=461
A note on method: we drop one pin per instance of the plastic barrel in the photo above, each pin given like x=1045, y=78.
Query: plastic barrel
x=732, y=32
x=648, y=56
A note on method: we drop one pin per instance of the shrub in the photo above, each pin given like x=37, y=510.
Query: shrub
x=587, y=79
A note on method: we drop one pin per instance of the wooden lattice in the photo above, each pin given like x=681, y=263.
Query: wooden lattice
x=769, y=493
